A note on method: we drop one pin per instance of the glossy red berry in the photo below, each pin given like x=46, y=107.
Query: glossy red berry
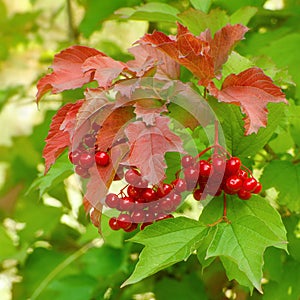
x=102, y=158
x=149, y=195
x=234, y=183
x=258, y=188
x=243, y=194
x=191, y=175
x=232, y=166
x=74, y=157
x=204, y=168
x=242, y=174
x=218, y=164
x=167, y=205
x=89, y=140
x=112, y=200
x=197, y=194
x=86, y=160
x=126, y=204
x=133, y=177
x=250, y=184
x=82, y=172
x=133, y=192
x=113, y=224
x=179, y=185
x=132, y=227
x=187, y=161
x=124, y=221
x=163, y=216
x=164, y=190
x=145, y=225
x=138, y=216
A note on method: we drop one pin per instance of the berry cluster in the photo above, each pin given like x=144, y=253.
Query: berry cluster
x=143, y=204
x=217, y=174
x=86, y=154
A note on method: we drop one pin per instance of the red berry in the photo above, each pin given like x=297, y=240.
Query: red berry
x=132, y=227
x=83, y=172
x=133, y=192
x=218, y=164
x=197, y=194
x=176, y=198
x=250, y=184
x=234, y=183
x=86, y=160
x=179, y=185
x=232, y=166
x=89, y=140
x=191, y=175
x=149, y=195
x=126, y=204
x=163, y=216
x=187, y=161
x=132, y=176
x=124, y=221
x=258, y=188
x=167, y=205
x=112, y=200
x=102, y=158
x=204, y=168
x=164, y=190
x=138, y=216
x=74, y=157
x=145, y=225
x=113, y=224
x=242, y=174
x=244, y=195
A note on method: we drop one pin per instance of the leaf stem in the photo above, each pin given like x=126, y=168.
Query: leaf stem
x=73, y=34
x=63, y=265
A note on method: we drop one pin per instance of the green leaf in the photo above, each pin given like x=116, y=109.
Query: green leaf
x=57, y=173
x=7, y=249
x=153, y=12
x=232, y=124
x=294, y=120
x=166, y=243
x=197, y=21
x=293, y=232
x=233, y=6
x=189, y=287
x=254, y=226
x=284, y=176
x=243, y=15
x=203, y=5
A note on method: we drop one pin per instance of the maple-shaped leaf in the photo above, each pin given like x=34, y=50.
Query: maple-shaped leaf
x=167, y=68
x=148, y=146
x=106, y=69
x=67, y=71
x=58, y=138
x=252, y=90
x=202, y=55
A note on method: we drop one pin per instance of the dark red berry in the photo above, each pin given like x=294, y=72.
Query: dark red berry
x=113, y=224
x=132, y=176
x=86, y=160
x=138, y=216
x=197, y=194
x=234, y=183
x=258, y=188
x=126, y=204
x=145, y=225
x=176, y=198
x=82, y=172
x=102, y=158
x=250, y=184
x=232, y=166
x=133, y=192
x=167, y=205
x=164, y=190
x=204, y=168
x=149, y=195
x=89, y=140
x=187, y=161
x=191, y=175
x=218, y=164
x=163, y=216
x=112, y=200
x=242, y=174
x=179, y=185
x=132, y=227
x=243, y=194
x=74, y=157
x=124, y=221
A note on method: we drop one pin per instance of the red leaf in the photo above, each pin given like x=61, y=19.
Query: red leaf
x=167, y=68
x=202, y=55
x=106, y=69
x=148, y=145
x=252, y=90
x=67, y=71
x=102, y=177
x=58, y=138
